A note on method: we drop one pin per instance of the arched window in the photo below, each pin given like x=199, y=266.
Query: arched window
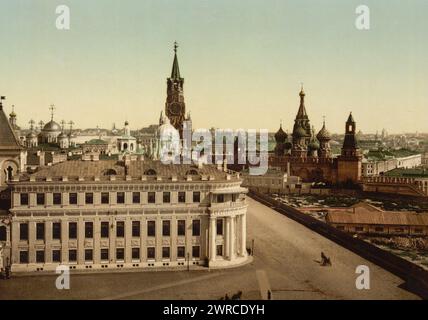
x=150, y=172
x=125, y=146
x=192, y=172
x=3, y=233
x=9, y=173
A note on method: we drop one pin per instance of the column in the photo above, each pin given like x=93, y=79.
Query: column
x=173, y=242
x=14, y=257
x=32, y=240
x=81, y=241
x=128, y=241
x=232, y=238
x=48, y=241
x=212, y=235
x=158, y=241
x=64, y=239
x=143, y=240
x=243, y=235
x=227, y=238
x=96, y=253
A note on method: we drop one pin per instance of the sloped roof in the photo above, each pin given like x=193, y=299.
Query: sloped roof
x=364, y=213
x=8, y=139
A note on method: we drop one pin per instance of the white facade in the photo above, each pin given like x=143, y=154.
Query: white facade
x=131, y=214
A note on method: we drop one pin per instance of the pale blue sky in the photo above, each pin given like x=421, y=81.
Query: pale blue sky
x=242, y=61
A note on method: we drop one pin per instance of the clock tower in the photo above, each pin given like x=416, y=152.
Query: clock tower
x=175, y=107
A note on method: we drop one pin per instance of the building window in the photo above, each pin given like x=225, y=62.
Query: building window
x=150, y=252
x=136, y=229
x=104, y=254
x=40, y=256
x=341, y=227
x=89, y=230
x=181, y=227
x=219, y=250
x=72, y=255
x=196, y=196
x=3, y=233
x=23, y=256
x=166, y=224
x=88, y=255
x=72, y=198
x=72, y=230
x=418, y=230
x=24, y=199
x=182, y=197
x=379, y=229
x=136, y=197
x=166, y=197
x=40, y=231
x=56, y=255
x=40, y=198
x=151, y=228
x=181, y=252
x=89, y=198
x=165, y=252
x=105, y=198
x=120, y=254
x=23, y=231
x=56, y=230
x=220, y=198
x=135, y=253
x=105, y=226
x=120, y=197
x=219, y=227
x=120, y=229
x=359, y=229
x=196, y=227
x=151, y=197
x=195, y=252
x=57, y=198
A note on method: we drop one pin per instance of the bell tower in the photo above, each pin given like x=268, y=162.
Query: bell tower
x=349, y=162
x=175, y=108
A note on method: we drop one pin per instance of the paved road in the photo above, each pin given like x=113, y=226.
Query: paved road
x=288, y=252
x=284, y=263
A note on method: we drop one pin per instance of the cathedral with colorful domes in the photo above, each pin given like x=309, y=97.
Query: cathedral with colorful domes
x=308, y=155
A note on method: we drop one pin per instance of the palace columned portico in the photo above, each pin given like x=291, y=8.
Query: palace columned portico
x=229, y=215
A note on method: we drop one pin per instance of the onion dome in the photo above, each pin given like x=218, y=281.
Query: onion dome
x=52, y=126
x=313, y=145
x=62, y=136
x=323, y=134
x=31, y=135
x=299, y=132
x=280, y=135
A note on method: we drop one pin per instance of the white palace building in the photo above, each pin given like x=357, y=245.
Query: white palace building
x=131, y=213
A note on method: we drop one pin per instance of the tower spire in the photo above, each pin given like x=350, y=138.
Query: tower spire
x=175, y=73
x=52, y=108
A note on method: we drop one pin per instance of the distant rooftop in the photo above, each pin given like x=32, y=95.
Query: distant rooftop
x=136, y=170
x=408, y=173
x=389, y=154
x=364, y=213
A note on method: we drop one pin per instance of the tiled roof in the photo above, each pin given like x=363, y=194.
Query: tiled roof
x=137, y=168
x=364, y=213
x=8, y=139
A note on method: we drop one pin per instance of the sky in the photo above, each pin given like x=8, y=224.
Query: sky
x=243, y=62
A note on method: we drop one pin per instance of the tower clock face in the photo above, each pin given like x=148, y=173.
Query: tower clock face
x=175, y=109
